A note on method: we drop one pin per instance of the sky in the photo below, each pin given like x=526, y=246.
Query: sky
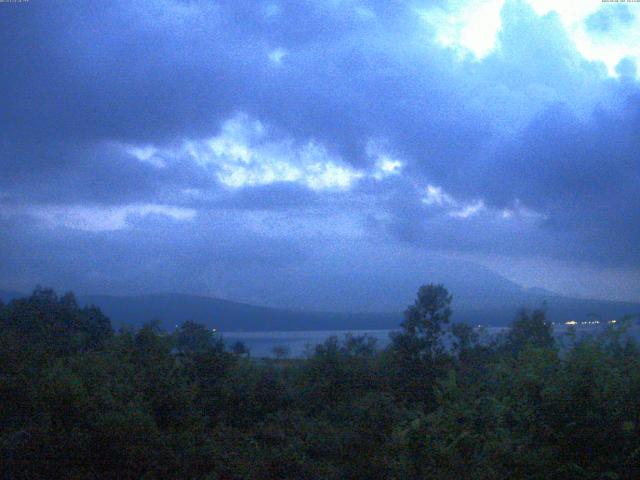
x=281, y=152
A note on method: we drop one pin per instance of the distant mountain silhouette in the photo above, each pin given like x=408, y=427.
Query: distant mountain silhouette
x=225, y=315
x=384, y=283
x=172, y=309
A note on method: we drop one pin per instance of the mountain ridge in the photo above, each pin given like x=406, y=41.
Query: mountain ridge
x=171, y=309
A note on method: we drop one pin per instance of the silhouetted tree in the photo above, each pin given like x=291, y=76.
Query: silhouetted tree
x=530, y=328
x=418, y=350
x=280, y=351
x=239, y=348
x=194, y=338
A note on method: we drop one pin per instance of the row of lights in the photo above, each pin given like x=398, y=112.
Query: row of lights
x=213, y=329
x=592, y=322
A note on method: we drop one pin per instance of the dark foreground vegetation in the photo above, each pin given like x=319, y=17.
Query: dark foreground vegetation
x=80, y=401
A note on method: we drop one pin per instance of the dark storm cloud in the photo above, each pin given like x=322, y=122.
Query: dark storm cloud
x=81, y=73
x=580, y=176
x=142, y=71
x=532, y=126
x=584, y=175
x=152, y=255
x=84, y=71
x=64, y=173
x=579, y=171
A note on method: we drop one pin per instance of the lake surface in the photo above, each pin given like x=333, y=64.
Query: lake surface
x=261, y=344
x=299, y=343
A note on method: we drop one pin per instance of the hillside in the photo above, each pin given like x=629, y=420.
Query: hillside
x=172, y=309
x=225, y=315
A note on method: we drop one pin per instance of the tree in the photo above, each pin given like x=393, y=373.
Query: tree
x=464, y=338
x=424, y=320
x=418, y=354
x=530, y=328
x=193, y=338
x=280, y=351
x=422, y=328
x=240, y=349
x=57, y=325
x=359, y=345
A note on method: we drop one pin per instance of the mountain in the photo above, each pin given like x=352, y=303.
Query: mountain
x=224, y=315
x=381, y=281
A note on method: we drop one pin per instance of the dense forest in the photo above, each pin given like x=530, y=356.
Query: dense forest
x=81, y=401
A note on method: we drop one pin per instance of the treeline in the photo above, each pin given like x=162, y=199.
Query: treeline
x=78, y=400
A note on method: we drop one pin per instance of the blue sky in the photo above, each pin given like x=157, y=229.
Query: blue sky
x=220, y=147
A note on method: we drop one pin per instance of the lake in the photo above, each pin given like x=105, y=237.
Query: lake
x=297, y=343
x=261, y=344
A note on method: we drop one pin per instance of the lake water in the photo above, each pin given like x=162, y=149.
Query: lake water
x=261, y=344
x=298, y=343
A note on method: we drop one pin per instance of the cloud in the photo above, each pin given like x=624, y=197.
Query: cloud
x=468, y=210
x=277, y=55
x=246, y=153
x=467, y=27
x=409, y=123
x=243, y=156
x=435, y=196
x=610, y=17
x=98, y=219
x=147, y=154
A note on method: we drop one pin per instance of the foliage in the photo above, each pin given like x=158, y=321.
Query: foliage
x=417, y=355
x=79, y=401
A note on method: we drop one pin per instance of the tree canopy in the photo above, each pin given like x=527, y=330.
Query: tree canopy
x=81, y=401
